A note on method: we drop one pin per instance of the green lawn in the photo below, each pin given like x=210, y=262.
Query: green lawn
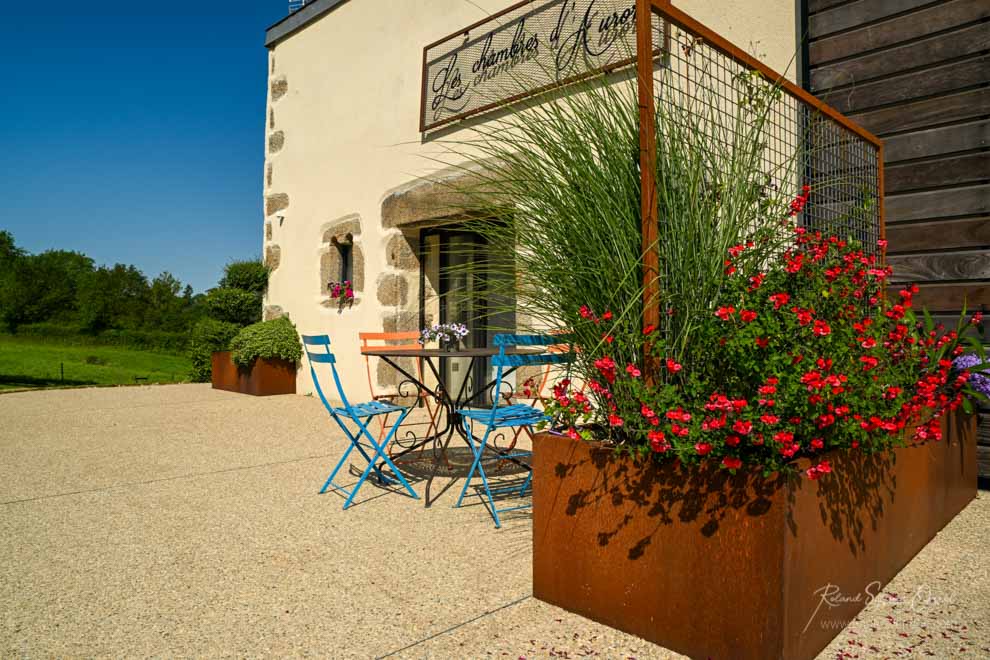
x=27, y=363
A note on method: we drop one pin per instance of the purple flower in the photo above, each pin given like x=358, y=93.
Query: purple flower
x=979, y=380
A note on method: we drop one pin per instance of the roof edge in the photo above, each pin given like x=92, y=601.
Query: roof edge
x=298, y=20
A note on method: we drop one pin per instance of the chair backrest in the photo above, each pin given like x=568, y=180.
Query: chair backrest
x=392, y=340
x=317, y=356
x=556, y=351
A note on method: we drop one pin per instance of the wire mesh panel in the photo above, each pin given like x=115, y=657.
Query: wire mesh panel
x=529, y=48
x=700, y=87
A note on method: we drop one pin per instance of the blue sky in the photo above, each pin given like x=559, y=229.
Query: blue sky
x=134, y=131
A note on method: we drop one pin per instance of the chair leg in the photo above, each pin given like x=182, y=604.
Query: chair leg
x=340, y=464
x=475, y=464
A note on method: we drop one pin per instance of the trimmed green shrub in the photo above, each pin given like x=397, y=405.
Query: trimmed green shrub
x=269, y=339
x=208, y=335
x=234, y=306
x=245, y=275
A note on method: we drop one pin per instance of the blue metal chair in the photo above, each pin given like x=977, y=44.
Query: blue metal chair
x=507, y=416
x=359, y=415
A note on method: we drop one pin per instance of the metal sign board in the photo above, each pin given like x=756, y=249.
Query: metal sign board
x=526, y=49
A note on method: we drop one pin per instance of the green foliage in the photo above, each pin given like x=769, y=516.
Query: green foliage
x=208, y=336
x=269, y=339
x=234, y=306
x=75, y=335
x=250, y=275
x=26, y=362
x=558, y=186
x=113, y=297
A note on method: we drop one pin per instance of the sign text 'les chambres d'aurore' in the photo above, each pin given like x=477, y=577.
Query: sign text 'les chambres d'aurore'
x=532, y=47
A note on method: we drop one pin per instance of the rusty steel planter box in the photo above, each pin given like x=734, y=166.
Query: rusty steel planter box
x=264, y=378
x=714, y=565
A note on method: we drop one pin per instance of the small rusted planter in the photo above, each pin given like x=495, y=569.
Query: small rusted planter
x=719, y=566
x=264, y=378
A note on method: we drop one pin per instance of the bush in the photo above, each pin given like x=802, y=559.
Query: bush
x=245, y=275
x=269, y=339
x=75, y=335
x=234, y=306
x=800, y=355
x=208, y=335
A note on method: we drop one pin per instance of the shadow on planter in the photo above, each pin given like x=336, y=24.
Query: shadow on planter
x=264, y=378
x=714, y=565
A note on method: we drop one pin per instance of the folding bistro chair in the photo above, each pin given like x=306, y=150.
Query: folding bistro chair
x=359, y=416
x=506, y=416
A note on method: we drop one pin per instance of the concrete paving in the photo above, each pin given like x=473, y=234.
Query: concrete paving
x=183, y=521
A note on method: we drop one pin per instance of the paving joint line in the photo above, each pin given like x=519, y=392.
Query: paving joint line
x=163, y=479
x=455, y=627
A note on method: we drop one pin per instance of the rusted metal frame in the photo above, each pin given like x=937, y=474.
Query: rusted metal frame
x=647, y=171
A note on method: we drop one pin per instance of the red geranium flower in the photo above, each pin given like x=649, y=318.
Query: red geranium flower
x=732, y=462
x=780, y=299
x=747, y=315
x=703, y=448
x=725, y=313
x=673, y=366
x=822, y=328
x=658, y=441
x=615, y=420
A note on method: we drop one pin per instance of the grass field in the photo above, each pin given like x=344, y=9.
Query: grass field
x=25, y=364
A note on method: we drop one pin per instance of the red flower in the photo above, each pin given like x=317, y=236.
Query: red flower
x=732, y=462
x=703, y=448
x=743, y=426
x=648, y=330
x=784, y=437
x=678, y=415
x=769, y=419
x=822, y=328
x=818, y=470
x=733, y=440
x=615, y=420
x=804, y=315
x=817, y=444
x=585, y=312
x=869, y=362
x=747, y=315
x=658, y=441
x=762, y=342
x=606, y=366
x=725, y=313
x=679, y=431
x=780, y=299
x=673, y=366
x=607, y=316
x=633, y=371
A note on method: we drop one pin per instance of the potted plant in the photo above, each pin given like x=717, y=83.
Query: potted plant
x=262, y=360
x=447, y=336
x=736, y=479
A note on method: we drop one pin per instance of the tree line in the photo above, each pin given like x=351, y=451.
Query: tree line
x=65, y=293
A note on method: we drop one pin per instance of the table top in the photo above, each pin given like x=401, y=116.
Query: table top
x=394, y=351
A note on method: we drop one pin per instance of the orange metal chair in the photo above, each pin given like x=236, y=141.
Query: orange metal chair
x=401, y=341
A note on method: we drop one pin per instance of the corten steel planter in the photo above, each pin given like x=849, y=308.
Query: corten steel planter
x=264, y=378
x=719, y=566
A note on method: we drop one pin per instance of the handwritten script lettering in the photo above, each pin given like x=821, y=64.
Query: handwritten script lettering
x=532, y=48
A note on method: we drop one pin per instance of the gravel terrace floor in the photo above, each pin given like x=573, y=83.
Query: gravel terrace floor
x=182, y=521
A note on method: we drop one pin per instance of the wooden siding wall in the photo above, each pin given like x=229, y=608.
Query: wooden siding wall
x=917, y=74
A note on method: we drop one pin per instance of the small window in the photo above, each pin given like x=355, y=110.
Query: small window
x=345, y=250
x=346, y=262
